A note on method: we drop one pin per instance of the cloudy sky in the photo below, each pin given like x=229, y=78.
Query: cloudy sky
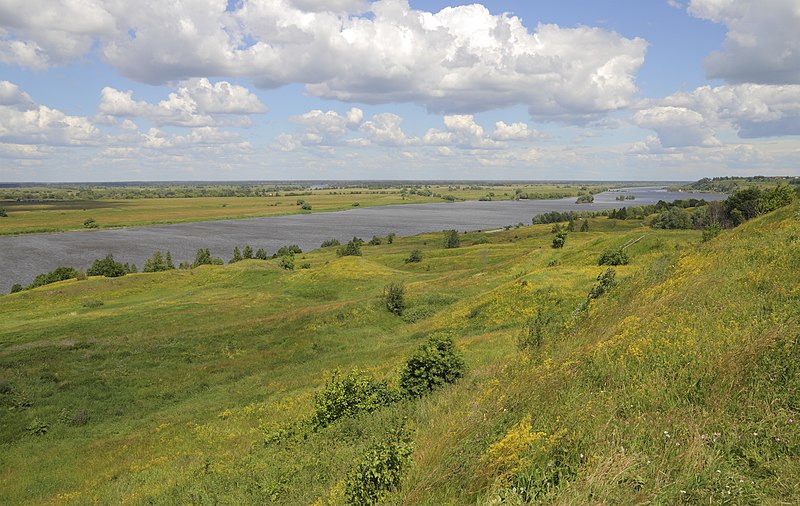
x=107, y=90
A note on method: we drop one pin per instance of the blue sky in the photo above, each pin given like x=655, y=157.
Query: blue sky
x=398, y=89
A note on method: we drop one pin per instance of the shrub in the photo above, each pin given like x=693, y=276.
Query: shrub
x=237, y=255
x=247, y=253
x=158, y=263
x=37, y=427
x=329, y=242
x=375, y=241
x=355, y=204
x=343, y=396
x=379, y=470
x=306, y=206
x=414, y=257
x=482, y=240
x=107, y=267
x=16, y=288
x=57, y=274
x=451, y=239
x=394, y=298
x=559, y=240
x=585, y=226
x=292, y=249
x=673, y=218
x=434, y=364
x=261, y=254
x=605, y=282
x=90, y=223
x=585, y=199
x=287, y=262
x=352, y=248
x=614, y=257
x=202, y=257
x=711, y=231
x=390, y=237
x=3, y=213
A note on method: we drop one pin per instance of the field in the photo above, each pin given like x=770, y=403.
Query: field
x=45, y=210
x=679, y=386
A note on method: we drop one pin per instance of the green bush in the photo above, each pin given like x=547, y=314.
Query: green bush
x=390, y=237
x=352, y=248
x=482, y=240
x=673, y=218
x=605, y=282
x=614, y=257
x=283, y=251
x=90, y=223
x=379, y=470
x=158, y=262
x=414, y=257
x=3, y=213
x=247, y=253
x=329, y=242
x=394, y=298
x=58, y=274
x=451, y=239
x=37, y=427
x=261, y=254
x=202, y=257
x=107, y=267
x=585, y=199
x=237, y=255
x=287, y=262
x=559, y=240
x=434, y=364
x=16, y=288
x=375, y=241
x=343, y=396
x=711, y=231
x=306, y=206
x=585, y=226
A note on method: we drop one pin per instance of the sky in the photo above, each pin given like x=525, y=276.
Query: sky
x=169, y=90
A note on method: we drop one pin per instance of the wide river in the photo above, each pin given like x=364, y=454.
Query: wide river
x=23, y=257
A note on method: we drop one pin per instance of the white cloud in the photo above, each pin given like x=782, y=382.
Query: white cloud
x=195, y=103
x=676, y=126
x=460, y=59
x=762, y=44
x=461, y=131
x=24, y=122
x=513, y=132
x=384, y=129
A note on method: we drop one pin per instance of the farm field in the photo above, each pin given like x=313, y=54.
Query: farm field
x=677, y=385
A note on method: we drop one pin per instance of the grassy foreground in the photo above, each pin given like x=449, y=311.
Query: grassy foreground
x=41, y=211
x=680, y=386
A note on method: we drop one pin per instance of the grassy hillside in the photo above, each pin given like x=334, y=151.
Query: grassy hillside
x=678, y=386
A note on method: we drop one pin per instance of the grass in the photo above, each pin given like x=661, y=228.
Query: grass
x=680, y=386
x=47, y=216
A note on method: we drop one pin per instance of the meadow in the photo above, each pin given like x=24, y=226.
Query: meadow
x=54, y=209
x=678, y=386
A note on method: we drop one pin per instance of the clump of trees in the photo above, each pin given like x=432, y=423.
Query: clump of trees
x=614, y=257
x=327, y=243
x=203, y=257
x=451, y=239
x=414, y=257
x=559, y=239
x=352, y=248
x=159, y=263
x=57, y=274
x=375, y=241
x=394, y=298
x=585, y=199
x=109, y=268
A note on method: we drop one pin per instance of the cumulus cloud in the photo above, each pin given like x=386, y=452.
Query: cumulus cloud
x=195, y=103
x=384, y=129
x=24, y=122
x=458, y=60
x=676, y=126
x=762, y=44
x=513, y=132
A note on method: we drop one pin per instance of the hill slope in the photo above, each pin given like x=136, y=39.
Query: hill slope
x=678, y=386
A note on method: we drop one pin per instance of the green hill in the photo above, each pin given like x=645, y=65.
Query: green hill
x=678, y=386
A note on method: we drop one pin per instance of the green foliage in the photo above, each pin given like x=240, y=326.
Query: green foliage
x=390, y=237
x=202, y=257
x=16, y=288
x=436, y=363
x=283, y=251
x=344, y=396
x=3, y=213
x=585, y=199
x=482, y=240
x=37, y=427
x=673, y=218
x=711, y=231
x=614, y=257
x=414, y=257
x=247, y=253
x=451, y=239
x=107, y=267
x=605, y=282
x=306, y=206
x=261, y=254
x=286, y=262
x=585, y=226
x=355, y=204
x=158, y=262
x=394, y=298
x=559, y=240
x=58, y=274
x=379, y=470
x=352, y=248
x=327, y=243
x=375, y=241
x=237, y=255
x=90, y=223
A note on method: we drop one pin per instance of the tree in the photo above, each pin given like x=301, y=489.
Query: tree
x=394, y=298
x=352, y=248
x=237, y=255
x=107, y=267
x=559, y=240
x=451, y=239
x=585, y=199
x=434, y=364
x=673, y=218
x=261, y=254
x=16, y=288
x=614, y=257
x=414, y=257
x=203, y=257
x=168, y=261
x=585, y=226
x=571, y=225
x=605, y=282
x=390, y=237
x=57, y=274
x=375, y=241
x=330, y=242
x=247, y=253
x=3, y=214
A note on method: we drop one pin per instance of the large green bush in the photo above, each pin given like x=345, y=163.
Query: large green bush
x=614, y=257
x=342, y=396
x=107, y=267
x=352, y=248
x=58, y=274
x=451, y=239
x=394, y=296
x=434, y=364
